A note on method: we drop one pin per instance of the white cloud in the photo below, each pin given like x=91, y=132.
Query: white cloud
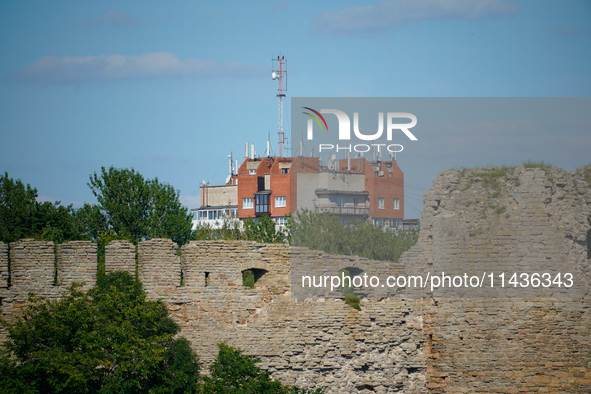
x=385, y=15
x=118, y=19
x=565, y=30
x=54, y=70
x=278, y=7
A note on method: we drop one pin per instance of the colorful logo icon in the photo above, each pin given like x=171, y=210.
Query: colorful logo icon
x=315, y=118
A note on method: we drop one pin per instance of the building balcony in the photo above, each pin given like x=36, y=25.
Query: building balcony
x=341, y=209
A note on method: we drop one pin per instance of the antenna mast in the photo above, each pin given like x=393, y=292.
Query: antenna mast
x=279, y=71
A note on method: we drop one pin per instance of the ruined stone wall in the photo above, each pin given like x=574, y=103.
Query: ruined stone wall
x=525, y=219
x=120, y=256
x=312, y=343
x=519, y=219
x=33, y=266
x=44, y=269
x=76, y=262
x=3, y=265
x=159, y=267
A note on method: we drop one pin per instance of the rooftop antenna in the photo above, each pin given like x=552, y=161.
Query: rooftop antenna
x=279, y=72
x=231, y=167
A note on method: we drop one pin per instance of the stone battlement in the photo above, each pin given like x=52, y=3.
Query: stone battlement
x=513, y=218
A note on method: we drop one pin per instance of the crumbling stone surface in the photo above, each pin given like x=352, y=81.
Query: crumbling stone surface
x=517, y=219
x=120, y=256
x=42, y=268
x=76, y=262
x=3, y=265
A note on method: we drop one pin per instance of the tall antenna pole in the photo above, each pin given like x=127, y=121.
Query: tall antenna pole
x=279, y=71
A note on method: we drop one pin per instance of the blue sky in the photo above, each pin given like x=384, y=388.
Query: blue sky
x=171, y=88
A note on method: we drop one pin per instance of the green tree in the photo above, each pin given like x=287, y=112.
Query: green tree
x=90, y=221
x=263, y=230
x=135, y=208
x=324, y=231
x=22, y=216
x=109, y=340
x=235, y=373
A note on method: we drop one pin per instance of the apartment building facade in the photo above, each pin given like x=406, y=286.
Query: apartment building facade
x=352, y=189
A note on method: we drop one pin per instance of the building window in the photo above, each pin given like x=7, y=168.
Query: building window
x=196, y=215
x=247, y=203
x=387, y=223
x=285, y=170
x=214, y=215
x=396, y=204
x=252, y=171
x=280, y=202
x=262, y=204
x=280, y=221
x=340, y=201
x=380, y=203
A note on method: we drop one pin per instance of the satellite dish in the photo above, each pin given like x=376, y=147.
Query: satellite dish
x=274, y=75
x=228, y=178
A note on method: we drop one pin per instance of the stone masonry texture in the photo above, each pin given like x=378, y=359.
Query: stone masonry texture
x=508, y=218
x=3, y=265
x=76, y=262
x=120, y=256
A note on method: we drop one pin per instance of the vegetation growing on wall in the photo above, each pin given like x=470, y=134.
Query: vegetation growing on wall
x=248, y=279
x=349, y=295
x=586, y=170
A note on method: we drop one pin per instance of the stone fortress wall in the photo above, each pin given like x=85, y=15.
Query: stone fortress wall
x=522, y=217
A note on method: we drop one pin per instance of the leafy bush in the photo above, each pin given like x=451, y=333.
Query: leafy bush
x=235, y=373
x=110, y=340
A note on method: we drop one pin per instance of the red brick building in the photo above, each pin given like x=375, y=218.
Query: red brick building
x=352, y=189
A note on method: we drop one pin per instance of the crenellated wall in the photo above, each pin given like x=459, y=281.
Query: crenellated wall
x=44, y=269
x=317, y=342
x=120, y=256
x=76, y=262
x=476, y=220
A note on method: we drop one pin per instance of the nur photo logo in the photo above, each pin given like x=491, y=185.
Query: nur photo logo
x=391, y=123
